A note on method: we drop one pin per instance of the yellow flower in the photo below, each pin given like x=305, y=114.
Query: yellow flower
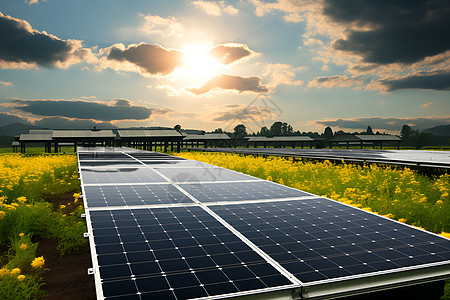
x=402, y=220
x=21, y=277
x=23, y=246
x=2, y=214
x=15, y=271
x=38, y=262
x=439, y=202
x=21, y=234
x=62, y=206
x=445, y=234
x=21, y=200
x=3, y=272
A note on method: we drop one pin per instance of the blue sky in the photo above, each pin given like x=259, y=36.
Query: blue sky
x=215, y=64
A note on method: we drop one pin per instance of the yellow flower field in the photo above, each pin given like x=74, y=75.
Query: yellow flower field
x=396, y=193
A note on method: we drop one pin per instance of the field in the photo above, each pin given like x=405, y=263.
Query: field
x=30, y=187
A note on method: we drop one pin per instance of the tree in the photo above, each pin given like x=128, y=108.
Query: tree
x=240, y=131
x=275, y=129
x=328, y=133
x=177, y=127
x=264, y=131
x=406, y=132
x=369, y=130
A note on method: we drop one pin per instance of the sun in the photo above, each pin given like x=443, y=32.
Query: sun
x=198, y=63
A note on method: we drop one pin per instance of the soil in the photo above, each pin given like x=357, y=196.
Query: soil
x=67, y=276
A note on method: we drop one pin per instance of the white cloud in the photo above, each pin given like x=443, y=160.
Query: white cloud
x=163, y=26
x=215, y=8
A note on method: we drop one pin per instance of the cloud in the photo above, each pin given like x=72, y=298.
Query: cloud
x=437, y=80
x=7, y=118
x=146, y=59
x=234, y=83
x=293, y=10
x=384, y=123
x=385, y=32
x=282, y=74
x=32, y=2
x=242, y=113
x=21, y=46
x=6, y=83
x=215, y=8
x=336, y=81
x=163, y=26
x=231, y=53
x=119, y=109
x=427, y=104
x=67, y=123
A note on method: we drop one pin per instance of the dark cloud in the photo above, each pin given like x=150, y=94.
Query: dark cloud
x=66, y=123
x=384, y=123
x=392, y=31
x=119, y=109
x=422, y=80
x=243, y=113
x=230, y=53
x=7, y=118
x=151, y=59
x=20, y=44
x=230, y=82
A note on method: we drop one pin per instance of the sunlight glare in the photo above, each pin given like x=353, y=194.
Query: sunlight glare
x=198, y=63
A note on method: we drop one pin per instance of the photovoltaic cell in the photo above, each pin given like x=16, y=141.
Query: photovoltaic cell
x=175, y=164
x=320, y=239
x=110, y=163
x=175, y=253
x=132, y=195
x=240, y=191
x=193, y=175
x=120, y=175
x=103, y=156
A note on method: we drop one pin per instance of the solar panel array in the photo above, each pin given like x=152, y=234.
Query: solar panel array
x=162, y=227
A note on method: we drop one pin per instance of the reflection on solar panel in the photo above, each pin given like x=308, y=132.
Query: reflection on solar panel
x=319, y=239
x=128, y=175
x=240, y=191
x=167, y=228
x=175, y=253
x=202, y=174
x=131, y=195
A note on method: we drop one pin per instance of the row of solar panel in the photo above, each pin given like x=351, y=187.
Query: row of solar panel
x=215, y=247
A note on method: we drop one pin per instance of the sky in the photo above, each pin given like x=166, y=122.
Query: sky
x=215, y=64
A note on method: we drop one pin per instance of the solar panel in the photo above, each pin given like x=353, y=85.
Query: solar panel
x=132, y=195
x=109, y=163
x=128, y=175
x=320, y=239
x=175, y=253
x=241, y=191
x=214, y=174
x=179, y=229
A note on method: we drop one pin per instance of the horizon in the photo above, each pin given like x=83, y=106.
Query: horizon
x=216, y=64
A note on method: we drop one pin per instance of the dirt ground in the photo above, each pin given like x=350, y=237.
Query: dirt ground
x=67, y=277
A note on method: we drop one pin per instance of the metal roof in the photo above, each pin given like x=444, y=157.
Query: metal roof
x=83, y=134
x=142, y=133
x=35, y=137
x=207, y=136
x=378, y=137
x=294, y=138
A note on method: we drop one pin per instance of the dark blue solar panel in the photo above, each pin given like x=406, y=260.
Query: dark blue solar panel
x=240, y=191
x=103, y=156
x=319, y=239
x=120, y=175
x=129, y=195
x=175, y=253
x=208, y=173
x=110, y=163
